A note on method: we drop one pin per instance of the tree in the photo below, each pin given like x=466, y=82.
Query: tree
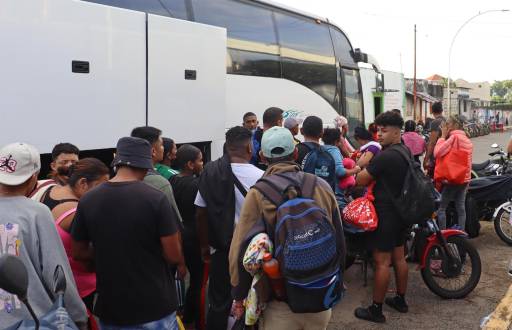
x=501, y=88
x=497, y=99
x=452, y=83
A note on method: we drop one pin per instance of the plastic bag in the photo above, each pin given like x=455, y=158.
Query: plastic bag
x=361, y=213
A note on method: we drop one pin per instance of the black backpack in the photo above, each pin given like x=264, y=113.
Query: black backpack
x=416, y=202
x=306, y=243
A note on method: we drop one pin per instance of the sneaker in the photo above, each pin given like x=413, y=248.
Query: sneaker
x=369, y=314
x=398, y=304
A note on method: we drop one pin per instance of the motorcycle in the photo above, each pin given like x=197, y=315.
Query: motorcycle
x=449, y=264
x=503, y=222
x=493, y=196
x=497, y=165
x=484, y=199
x=14, y=279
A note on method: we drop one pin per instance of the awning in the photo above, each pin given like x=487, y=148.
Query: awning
x=423, y=96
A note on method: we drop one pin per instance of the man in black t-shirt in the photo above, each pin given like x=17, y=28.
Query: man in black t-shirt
x=388, y=170
x=189, y=161
x=435, y=134
x=312, y=130
x=129, y=229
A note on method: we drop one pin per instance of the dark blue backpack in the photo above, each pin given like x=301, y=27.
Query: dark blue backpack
x=306, y=243
x=319, y=161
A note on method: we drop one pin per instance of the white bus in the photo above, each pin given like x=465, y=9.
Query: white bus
x=88, y=73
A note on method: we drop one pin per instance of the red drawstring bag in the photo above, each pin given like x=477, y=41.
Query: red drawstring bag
x=361, y=213
x=453, y=167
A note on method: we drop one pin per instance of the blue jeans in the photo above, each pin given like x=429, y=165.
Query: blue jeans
x=167, y=323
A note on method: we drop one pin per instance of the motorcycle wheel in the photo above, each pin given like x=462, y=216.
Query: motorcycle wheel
x=503, y=226
x=444, y=280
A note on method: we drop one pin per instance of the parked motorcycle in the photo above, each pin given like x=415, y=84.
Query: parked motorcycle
x=497, y=165
x=484, y=198
x=450, y=265
x=14, y=279
x=503, y=222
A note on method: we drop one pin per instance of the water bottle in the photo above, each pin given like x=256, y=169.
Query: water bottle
x=271, y=268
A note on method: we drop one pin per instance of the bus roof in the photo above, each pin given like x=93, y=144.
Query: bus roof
x=299, y=12
x=291, y=9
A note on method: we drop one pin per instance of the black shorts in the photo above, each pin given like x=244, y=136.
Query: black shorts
x=391, y=231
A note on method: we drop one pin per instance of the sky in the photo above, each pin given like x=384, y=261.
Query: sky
x=481, y=52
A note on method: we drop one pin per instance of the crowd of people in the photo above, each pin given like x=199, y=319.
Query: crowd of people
x=125, y=240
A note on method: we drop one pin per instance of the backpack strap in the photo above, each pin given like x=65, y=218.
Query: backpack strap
x=274, y=187
x=308, y=185
x=65, y=215
x=311, y=147
x=405, y=154
x=239, y=185
x=408, y=158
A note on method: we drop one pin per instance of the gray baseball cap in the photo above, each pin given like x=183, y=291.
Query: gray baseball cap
x=290, y=122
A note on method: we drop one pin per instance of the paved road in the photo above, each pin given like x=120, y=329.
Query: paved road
x=482, y=144
x=428, y=311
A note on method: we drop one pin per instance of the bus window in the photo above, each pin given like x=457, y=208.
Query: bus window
x=252, y=42
x=307, y=54
x=353, y=98
x=171, y=8
x=178, y=8
x=253, y=64
x=342, y=48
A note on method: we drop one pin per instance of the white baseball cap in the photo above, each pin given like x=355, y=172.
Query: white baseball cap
x=18, y=162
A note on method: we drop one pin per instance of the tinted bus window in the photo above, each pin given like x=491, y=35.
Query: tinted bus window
x=307, y=54
x=171, y=8
x=353, y=98
x=252, y=42
x=253, y=64
x=342, y=48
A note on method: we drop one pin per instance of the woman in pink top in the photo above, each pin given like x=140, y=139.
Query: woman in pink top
x=413, y=140
x=84, y=175
x=454, y=138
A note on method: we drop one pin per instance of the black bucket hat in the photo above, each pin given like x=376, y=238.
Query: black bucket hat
x=133, y=152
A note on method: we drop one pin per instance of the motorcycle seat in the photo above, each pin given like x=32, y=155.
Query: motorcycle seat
x=480, y=166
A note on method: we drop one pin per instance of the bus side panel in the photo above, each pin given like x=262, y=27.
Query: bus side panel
x=368, y=85
x=187, y=79
x=42, y=101
x=394, y=95
x=256, y=94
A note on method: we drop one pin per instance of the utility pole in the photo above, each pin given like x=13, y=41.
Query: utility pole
x=414, y=86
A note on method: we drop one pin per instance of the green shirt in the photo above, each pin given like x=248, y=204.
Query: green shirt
x=155, y=180
x=165, y=171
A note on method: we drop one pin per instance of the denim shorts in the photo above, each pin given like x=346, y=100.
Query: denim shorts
x=167, y=323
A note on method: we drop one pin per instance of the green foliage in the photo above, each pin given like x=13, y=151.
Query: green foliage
x=452, y=83
x=502, y=91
